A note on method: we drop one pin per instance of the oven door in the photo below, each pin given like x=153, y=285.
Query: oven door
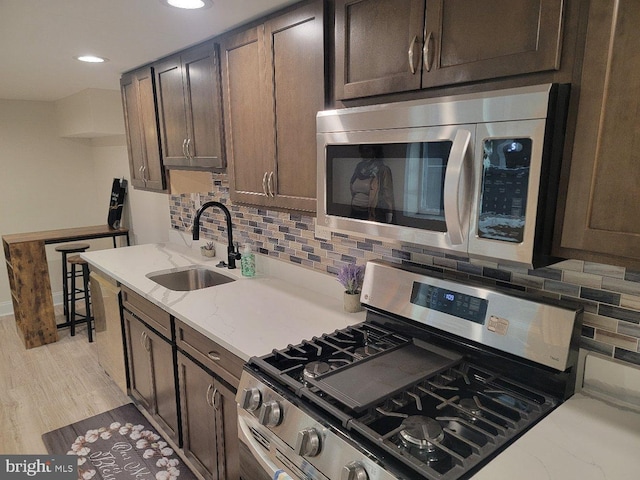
x=407, y=184
x=264, y=456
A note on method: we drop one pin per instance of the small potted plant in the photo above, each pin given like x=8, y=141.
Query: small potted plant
x=351, y=277
x=208, y=250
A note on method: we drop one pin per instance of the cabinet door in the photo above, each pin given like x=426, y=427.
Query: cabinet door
x=141, y=126
x=164, y=385
x=468, y=40
x=295, y=42
x=152, y=374
x=224, y=402
x=373, y=39
x=139, y=362
x=209, y=422
x=171, y=108
x=600, y=217
x=248, y=130
x=198, y=417
x=273, y=81
x=201, y=80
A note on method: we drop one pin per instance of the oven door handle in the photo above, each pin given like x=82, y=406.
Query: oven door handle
x=452, y=182
x=255, y=448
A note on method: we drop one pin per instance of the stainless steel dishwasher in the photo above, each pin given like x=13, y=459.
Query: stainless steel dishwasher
x=105, y=297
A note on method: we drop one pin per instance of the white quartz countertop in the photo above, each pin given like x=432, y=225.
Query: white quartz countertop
x=585, y=438
x=594, y=435
x=250, y=316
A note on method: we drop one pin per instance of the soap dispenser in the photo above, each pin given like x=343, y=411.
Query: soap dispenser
x=248, y=262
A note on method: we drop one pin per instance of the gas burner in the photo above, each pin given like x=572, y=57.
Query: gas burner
x=421, y=432
x=366, y=350
x=472, y=408
x=314, y=369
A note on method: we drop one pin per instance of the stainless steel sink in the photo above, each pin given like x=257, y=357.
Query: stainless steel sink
x=189, y=278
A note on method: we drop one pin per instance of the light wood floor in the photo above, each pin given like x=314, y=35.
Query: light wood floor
x=48, y=387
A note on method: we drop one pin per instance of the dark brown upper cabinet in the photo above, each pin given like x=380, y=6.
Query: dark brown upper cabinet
x=189, y=108
x=387, y=46
x=273, y=86
x=600, y=221
x=141, y=126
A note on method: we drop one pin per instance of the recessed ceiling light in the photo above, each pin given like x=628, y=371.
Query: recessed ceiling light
x=188, y=4
x=91, y=59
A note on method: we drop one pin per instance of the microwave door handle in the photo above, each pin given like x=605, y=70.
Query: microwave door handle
x=452, y=180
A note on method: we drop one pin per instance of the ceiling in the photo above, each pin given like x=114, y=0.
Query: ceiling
x=39, y=38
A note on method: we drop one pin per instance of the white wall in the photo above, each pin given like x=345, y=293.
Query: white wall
x=48, y=182
x=146, y=213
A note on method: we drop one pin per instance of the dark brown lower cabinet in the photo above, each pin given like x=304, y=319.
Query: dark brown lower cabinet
x=152, y=374
x=209, y=422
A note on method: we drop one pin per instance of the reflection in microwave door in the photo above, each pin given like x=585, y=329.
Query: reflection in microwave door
x=501, y=227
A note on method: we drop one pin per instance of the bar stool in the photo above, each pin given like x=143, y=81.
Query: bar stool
x=66, y=275
x=76, y=261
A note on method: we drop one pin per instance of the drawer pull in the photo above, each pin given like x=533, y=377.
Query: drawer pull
x=215, y=356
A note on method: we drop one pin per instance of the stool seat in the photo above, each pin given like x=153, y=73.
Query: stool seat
x=77, y=262
x=72, y=247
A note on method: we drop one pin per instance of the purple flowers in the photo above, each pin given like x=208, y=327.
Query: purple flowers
x=351, y=277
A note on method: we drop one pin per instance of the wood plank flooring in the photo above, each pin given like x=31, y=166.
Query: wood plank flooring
x=48, y=387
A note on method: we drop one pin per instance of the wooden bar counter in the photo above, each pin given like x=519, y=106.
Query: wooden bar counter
x=29, y=281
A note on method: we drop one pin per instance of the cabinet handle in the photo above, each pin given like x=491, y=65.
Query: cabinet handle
x=141, y=171
x=184, y=147
x=427, y=52
x=208, y=397
x=411, y=52
x=189, y=156
x=264, y=183
x=215, y=356
x=144, y=340
x=215, y=398
x=270, y=185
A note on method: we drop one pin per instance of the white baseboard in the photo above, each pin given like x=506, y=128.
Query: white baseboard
x=6, y=308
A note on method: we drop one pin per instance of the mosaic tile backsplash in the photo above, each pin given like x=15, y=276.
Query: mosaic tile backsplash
x=610, y=295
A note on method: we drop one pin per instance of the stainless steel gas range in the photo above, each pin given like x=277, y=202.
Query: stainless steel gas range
x=439, y=379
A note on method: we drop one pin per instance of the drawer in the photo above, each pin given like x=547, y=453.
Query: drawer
x=212, y=355
x=149, y=313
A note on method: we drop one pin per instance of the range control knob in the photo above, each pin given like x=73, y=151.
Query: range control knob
x=308, y=442
x=354, y=471
x=270, y=414
x=250, y=399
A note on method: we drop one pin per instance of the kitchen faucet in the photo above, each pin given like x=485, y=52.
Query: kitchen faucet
x=232, y=253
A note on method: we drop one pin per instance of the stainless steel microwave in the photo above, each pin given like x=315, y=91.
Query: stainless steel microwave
x=475, y=174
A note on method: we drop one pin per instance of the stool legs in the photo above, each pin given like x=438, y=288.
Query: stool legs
x=65, y=287
x=87, y=305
